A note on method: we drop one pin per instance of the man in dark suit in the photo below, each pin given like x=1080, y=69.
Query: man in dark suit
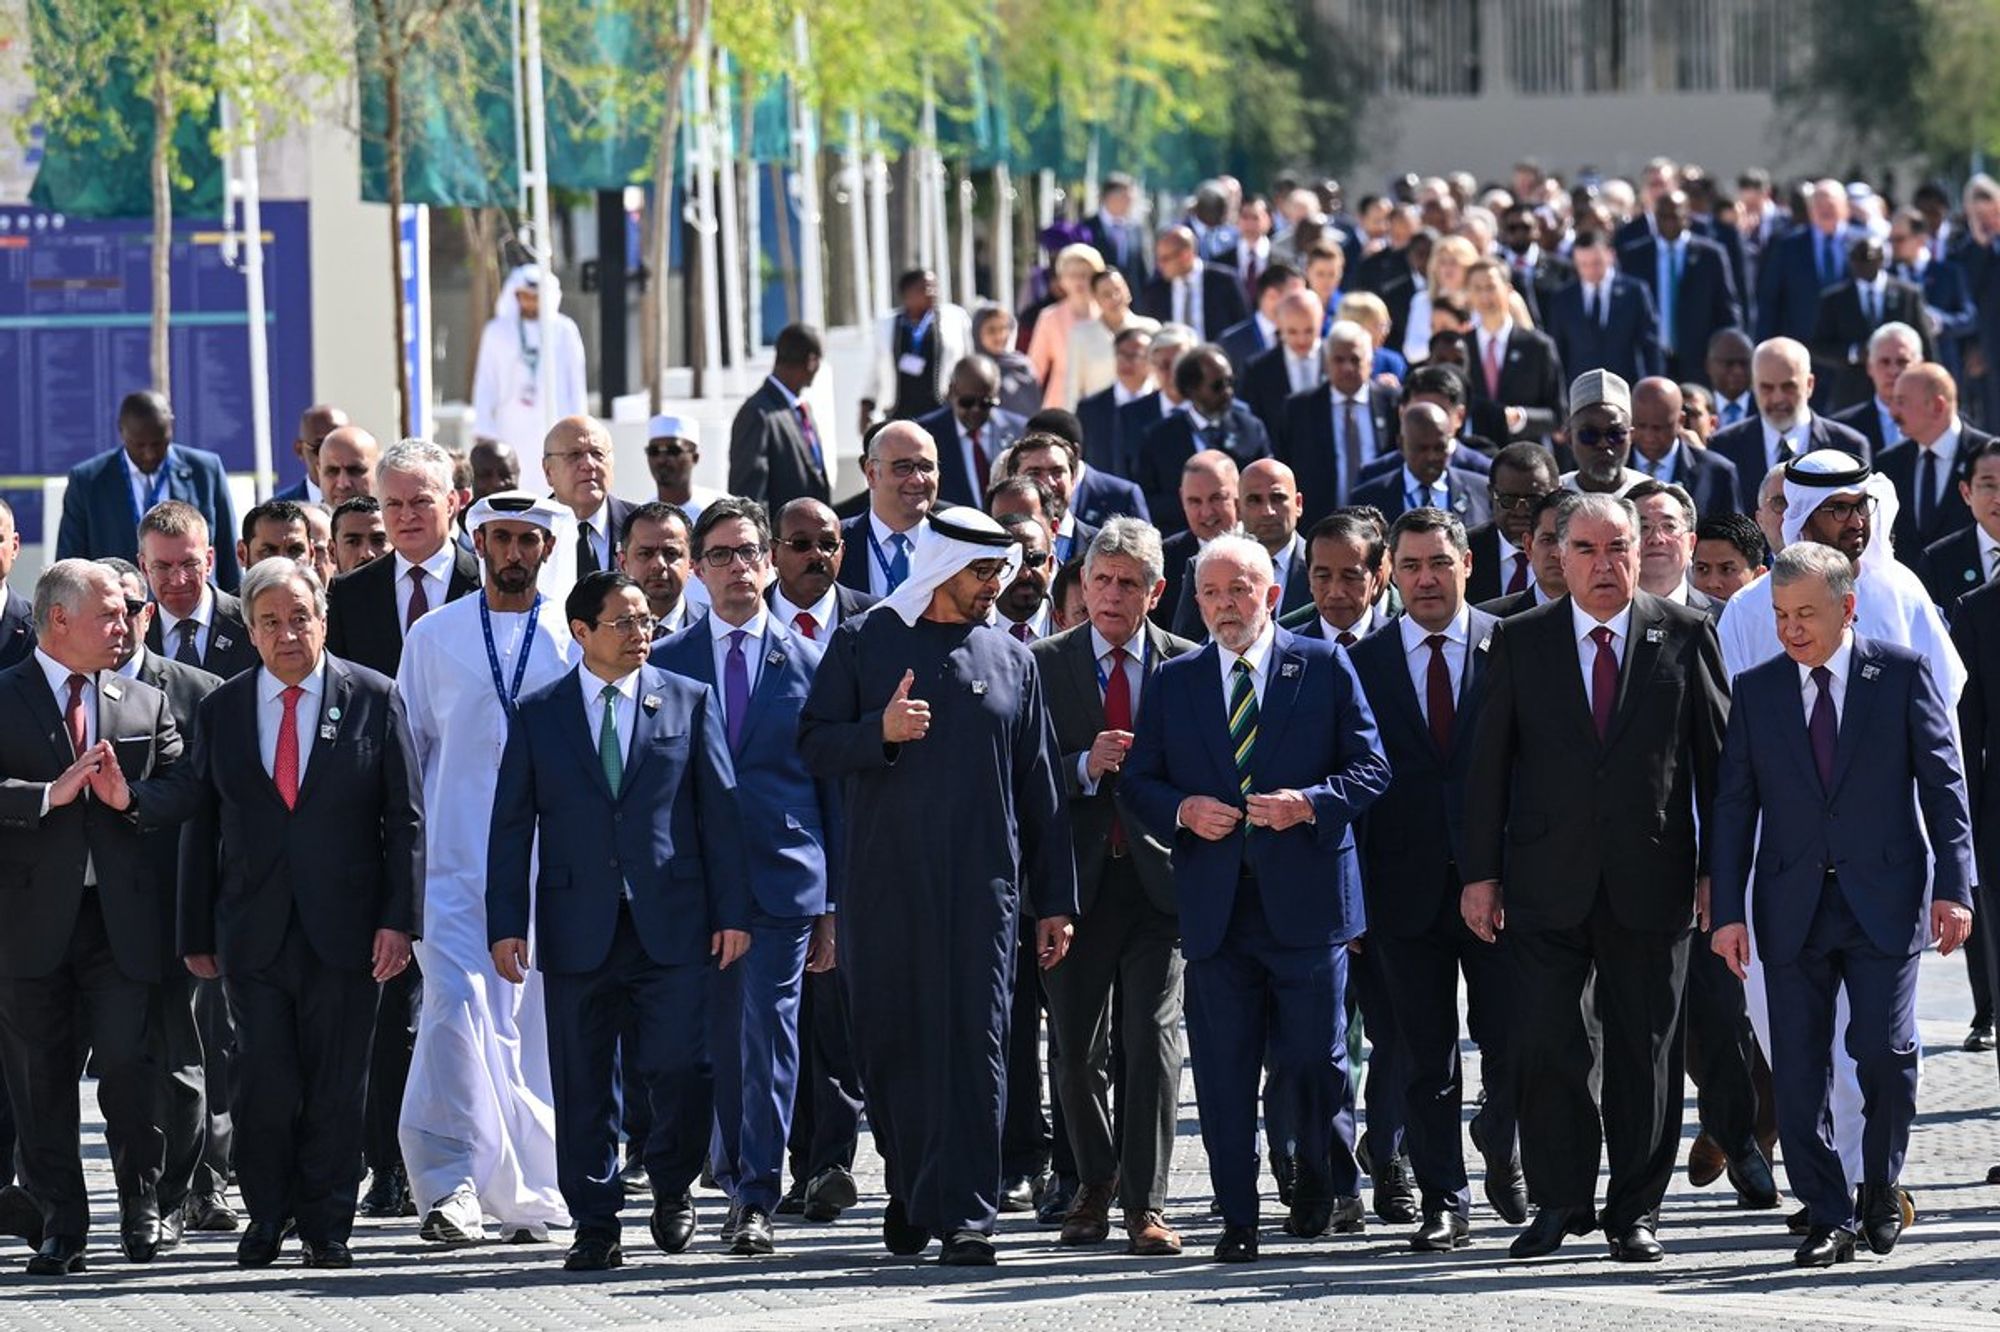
x=197, y=623
x=1785, y=426
x=1144, y=412
x=1796, y=268
x=1269, y=503
x=1097, y=413
x=1604, y=320
x=1212, y=419
x=1422, y=678
x=1969, y=558
x=1257, y=332
x=624, y=758
x=577, y=457
x=1097, y=677
x=109, y=494
x=1659, y=450
x=775, y=449
x=1595, y=751
x=1666, y=545
x=1426, y=480
x=1334, y=431
x=1947, y=296
x=1050, y=460
x=1841, y=903
x=1186, y=290
x=1849, y=314
x=1501, y=564
x=1727, y=375
x=1270, y=758
x=971, y=431
x=1892, y=349
x=1115, y=233
x=1292, y=364
x=17, y=617
x=1691, y=285
x=1210, y=507
x=315, y=424
x=901, y=469
x=1537, y=274
x=808, y=556
x=301, y=884
x=1975, y=632
x=1930, y=467
x=1515, y=368
x=91, y=761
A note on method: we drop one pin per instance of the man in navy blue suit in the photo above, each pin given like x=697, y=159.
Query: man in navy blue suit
x=761, y=672
x=1090, y=497
x=641, y=884
x=1426, y=479
x=1258, y=331
x=1659, y=450
x=1892, y=349
x=1097, y=413
x=1211, y=419
x=1840, y=900
x=1796, y=268
x=1604, y=320
x=110, y=493
x=1270, y=759
x=1785, y=426
x=1690, y=281
x=315, y=424
x=1947, y=296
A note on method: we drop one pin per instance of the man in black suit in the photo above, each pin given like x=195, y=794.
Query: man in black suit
x=971, y=431
x=1975, y=632
x=1690, y=281
x=1147, y=410
x=1097, y=413
x=775, y=449
x=198, y=624
x=1501, y=549
x=1115, y=232
x=807, y=595
x=1660, y=451
x=1331, y=433
x=1095, y=496
x=301, y=885
x=1956, y=565
x=1269, y=504
x=1850, y=312
x=1211, y=419
x=1347, y=566
x=1728, y=377
x=1604, y=320
x=1209, y=507
x=1596, y=748
x=901, y=468
x=1929, y=468
x=1291, y=365
x=1096, y=678
x=1051, y=461
x=1892, y=349
x=91, y=762
x=1537, y=274
x=1515, y=368
x=577, y=457
x=1422, y=675
x=17, y=620
x=1785, y=426
x=1545, y=582
x=1257, y=332
x=1426, y=479
x=1185, y=290
x=1666, y=545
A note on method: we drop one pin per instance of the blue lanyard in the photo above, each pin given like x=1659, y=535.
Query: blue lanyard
x=507, y=694
x=881, y=560
x=1104, y=681
x=155, y=495
x=920, y=328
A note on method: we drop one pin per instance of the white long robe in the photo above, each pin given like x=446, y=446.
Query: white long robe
x=478, y=1108
x=505, y=404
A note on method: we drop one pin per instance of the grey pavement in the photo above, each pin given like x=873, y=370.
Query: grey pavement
x=1725, y=1268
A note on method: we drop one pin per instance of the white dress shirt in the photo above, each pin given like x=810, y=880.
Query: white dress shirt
x=142, y=484
x=1187, y=299
x=203, y=616
x=1038, y=623
x=1258, y=654
x=437, y=578
x=603, y=543
x=1945, y=449
x=1436, y=494
x=1417, y=654
x=1597, y=299
x=1837, y=666
x=884, y=552
x=1509, y=553
x=271, y=712
x=1120, y=395
x=821, y=612
x=1620, y=626
x=753, y=652
x=1989, y=554
x=1135, y=676
x=1360, y=629
x=1303, y=373
x=1799, y=437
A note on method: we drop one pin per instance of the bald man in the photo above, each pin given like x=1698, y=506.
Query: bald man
x=347, y=458
x=1661, y=450
x=577, y=458
x=1781, y=379
x=1929, y=464
x=1184, y=290
x=1426, y=480
x=1291, y=364
x=1269, y=505
x=315, y=424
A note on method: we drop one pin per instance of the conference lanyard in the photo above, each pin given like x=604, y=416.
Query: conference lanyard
x=881, y=560
x=507, y=694
x=1104, y=681
x=155, y=494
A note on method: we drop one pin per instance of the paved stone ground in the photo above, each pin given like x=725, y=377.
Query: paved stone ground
x=1725, y=1269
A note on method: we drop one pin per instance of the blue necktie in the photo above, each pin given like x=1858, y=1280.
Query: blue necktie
x=735, y=689
x=1732, y=412
x=899, y=563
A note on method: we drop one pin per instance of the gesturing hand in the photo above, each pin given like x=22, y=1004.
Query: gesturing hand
x=70, y=785
x=905, y=718
x=107, y=782
x=1107, y=753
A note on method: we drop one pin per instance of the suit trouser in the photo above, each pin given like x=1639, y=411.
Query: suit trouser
x=665, y=1056
x=1124, y=940
x=182, y=1113
x=1031, y=1141
x=753, y=1043
x=1421, y=974
x=390, y=1049
x=1721, y=1052
x=1640, y=976
x=1881, y=1037
x=303, y=1032
x=1977, y=945
x=85, y=1001
x=1383, y=1082
x=826, y=1104
x=218, y=1070
x=1987, y=899
x=1255, y=1000
x=6, y=1131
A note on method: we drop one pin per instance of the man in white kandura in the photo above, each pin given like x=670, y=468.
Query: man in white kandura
x=478, y=1126
x=506, y=384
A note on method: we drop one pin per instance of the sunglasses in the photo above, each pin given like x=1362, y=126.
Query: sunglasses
x=803, y=545
x=968, y=404
x=1591, y=437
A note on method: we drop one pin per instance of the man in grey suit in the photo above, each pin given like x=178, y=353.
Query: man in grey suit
x=1096, y=676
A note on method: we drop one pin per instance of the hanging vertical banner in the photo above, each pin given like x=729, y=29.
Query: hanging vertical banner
x=416, y=242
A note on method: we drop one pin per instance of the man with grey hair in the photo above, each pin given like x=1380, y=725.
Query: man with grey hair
x=1266, y=879
x=1797, y=268
x=1785, y=425
x=1892, y=349
x=1097, y=675
x=577, y=456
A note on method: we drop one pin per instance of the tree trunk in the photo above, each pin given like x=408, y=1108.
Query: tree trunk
x=163, y=236
x=658, y=231
x=482, y=249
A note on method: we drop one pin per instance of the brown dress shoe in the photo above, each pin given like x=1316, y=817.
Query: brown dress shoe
x=1149, y=1235
x=1706, y=1161
x=1088, y=1220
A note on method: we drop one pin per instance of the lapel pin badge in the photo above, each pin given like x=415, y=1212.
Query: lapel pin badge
x=1486, y=642
x=333, y=713
x=1972, y=575
x=112, y=691
x=1656, y=635
x=222, y=642
x=1289, y=670
x=328, y=730
x=651, y=703
x=775, y=658
x=978, y=688
x=1870, y=671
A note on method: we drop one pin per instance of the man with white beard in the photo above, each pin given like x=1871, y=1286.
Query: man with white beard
x=1834, y=498
x=478, y=1125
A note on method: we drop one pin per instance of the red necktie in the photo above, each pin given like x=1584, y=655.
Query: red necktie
x=1437, y=694
x=807, y=626
x=1117, y=717
x=1493, y=368
x=420, y=601
x=1345, y=639
x=1519, y=582
x=1603, y=681
x=285, y=765
x=979, y=463
x=73, y=717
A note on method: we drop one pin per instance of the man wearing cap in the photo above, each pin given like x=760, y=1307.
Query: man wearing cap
x=478, y=1127
x=673, y=449
x=936, y=722
x=1600, y=435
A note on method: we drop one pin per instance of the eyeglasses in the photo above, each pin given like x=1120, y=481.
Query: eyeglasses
x=185, y=569
x=1842, y=510
x=628, y=625
x=1512, y=501
x=579, y=457
x=133, y=607
x=987, y=571
x=1591, y=437
x=721, y=557
x=355, y=470
x=804, y=545
x=967, y=404
x=905, y=468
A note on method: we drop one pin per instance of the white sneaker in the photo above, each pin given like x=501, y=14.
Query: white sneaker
x=455, y=1219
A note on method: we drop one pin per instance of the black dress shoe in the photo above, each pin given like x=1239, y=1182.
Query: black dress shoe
x=139, y=1228
x=828, y=1194
x=1237, y=1245
x=388, y=1195
x=20, y=1215
x=1979, y=1038
x=968, y=1248
x=208, y=1212
x=1441, y=1232
x=794, y=1201
x=673, y=1223
x=332, y=1255
x=594, y=1253
x=1551, y=1226
x=1285, y=1171
x=1881, y=1208
x=1018, y=1194
x=1750, y=1176
x=259, y=1245
x=1506, y=1188
x=1825, y=1246
x=753, y=1233
x=1056, y=1197
x=1347, y=1218
x=1308, y=1218
x=898, y=1235
x=633, y=1178
x=60, y=1255
x=171, y=1225
x=1637, y=1245
x=1395, y=1196
x=1799, y=1222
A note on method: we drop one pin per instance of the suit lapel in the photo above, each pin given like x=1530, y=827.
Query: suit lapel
x=1213, y=701
x=1081, y=663
x=1798, y=741
x=576, y=722
x=1284, y=672
x=1568, y=667
x=645, y=719
x=1403, y=693
x=47, y=709
x=335, y=705
x=1857, y=708
x=1642, y=651
x=770, y=677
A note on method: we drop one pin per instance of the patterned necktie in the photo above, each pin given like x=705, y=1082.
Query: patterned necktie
x=1603, y=681
x=807, y=626
x=188, y=653
x=1437, y=694
x=1117, y=717
x=73, y=718
x=285, y=763
x=420, y=602
x=1242, y=719
x=899, y=563
x=1823, y=727
x=735, y=689
x=608, y=751
x=1215, y=437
